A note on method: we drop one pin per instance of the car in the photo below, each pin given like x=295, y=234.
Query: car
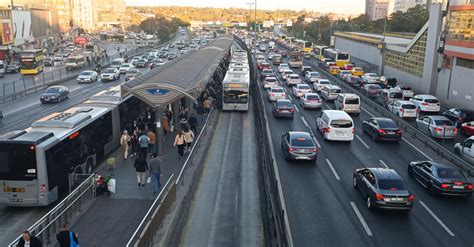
x=135, y=60
x=311, y=76
x=348, y=66
x=141, y=63
x=286, y=73
x=54, y=94
x=48, y=62
x=163, y=54
x=264, y=65
x=441, y=179
x=172, y=56
x=293, y=79
x=426, y=103
x=335, y=125
x=182, y=51
x=370, y=78
x=270, y=81
x=320, y=83
x=408, y=93
x=382, y=129
x=459, y=116
x=343, y=74
x=465, y=150
x=132, y=73
x=468, y=129
x=373, y=90
x=298, y=145
x=357, y=71
x=110, y=74
x=305, y=69
x=284, y=53
x=283, y=108
x=87, y=76
x=157, y=62
x=437, y=126
x=59, y=58
x=354, y=81
x=165, y=48
x=282, y=67
x=270, y=55
x=382, y=188
x=265, y=73
x=403, y=109
x=124, y=67
x=310, y=100
x=276, y=93
x=300, y=89
x=12, y=68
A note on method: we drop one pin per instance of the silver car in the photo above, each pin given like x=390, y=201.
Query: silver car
x=87, y=76
x=437, y=126
x=310, y=100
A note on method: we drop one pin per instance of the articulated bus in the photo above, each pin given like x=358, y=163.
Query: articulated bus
x=236, y=84
x=38, y=164
x=339, y=57
x=318, y=52
x=31, y=62
x=303, y=45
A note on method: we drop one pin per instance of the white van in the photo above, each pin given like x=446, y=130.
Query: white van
x=330, y=92
x=465, y=149
x=116, y=63
x=348, y=102
x=335, y=125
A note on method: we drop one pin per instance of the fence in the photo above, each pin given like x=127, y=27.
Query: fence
x=49, y=225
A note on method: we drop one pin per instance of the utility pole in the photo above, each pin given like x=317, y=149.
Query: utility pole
x=250, y=13
x=255, y=24
x=382, y=66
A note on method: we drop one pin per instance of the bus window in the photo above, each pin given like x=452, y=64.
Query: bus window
x=17, y=161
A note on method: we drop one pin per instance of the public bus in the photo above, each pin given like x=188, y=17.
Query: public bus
x=236, y=83
x=318, y=52
x=303, y=45
x=339, y=57
x=31, y=62
x=38, y=165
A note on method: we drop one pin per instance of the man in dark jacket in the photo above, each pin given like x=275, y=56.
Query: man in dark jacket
x=193, y=123
x=64, y=236
x=141, y=167
x=28, y=240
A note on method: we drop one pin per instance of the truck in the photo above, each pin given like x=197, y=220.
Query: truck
x=75, y=62
x=296, y=59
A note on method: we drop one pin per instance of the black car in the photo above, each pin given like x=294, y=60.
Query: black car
x=354, y=81
x=283, y=108
x=304, y=69
x=54, y=94
x=382, y=129
x=163, y=54
x=48, y=62
x=141, y=63
x=172, y=56
x=12, y=68
x=382, y=188
x=297, y=145
x=439, y=178
x=459, y=116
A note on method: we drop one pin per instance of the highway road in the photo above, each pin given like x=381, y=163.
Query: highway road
x=325, y=210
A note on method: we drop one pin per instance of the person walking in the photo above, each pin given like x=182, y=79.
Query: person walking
x=207, y=105
x=151, y=144
x=134, y=141
x=140, y=168
x=180, y=141
x=183, y=118
x=200, y=111
x=193, y=123
x=155, y=173
x=166, y=124
x=66, y=237
x=125, y=142
x=143, y=142
x=27, y=240
x=189, y=138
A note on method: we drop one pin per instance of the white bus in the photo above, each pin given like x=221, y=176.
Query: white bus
x=37, y=164
x=235, y=89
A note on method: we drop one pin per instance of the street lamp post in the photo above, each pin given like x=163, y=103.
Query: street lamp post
x=255, y=23
x=382, y=66
x=250, y=13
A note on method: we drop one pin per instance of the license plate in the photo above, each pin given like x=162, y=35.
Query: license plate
x=301, y=158
x=284, y=110
x=391, y=132
x=339, y=133
x=458, y=187
x=394, y=199
x=11, y=189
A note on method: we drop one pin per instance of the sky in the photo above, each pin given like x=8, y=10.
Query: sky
x=335, y=6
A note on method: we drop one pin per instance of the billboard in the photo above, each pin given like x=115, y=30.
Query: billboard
x=267, y=24
x=22, y=29
x=6, y=30
x=81, y=40
x=289, y=23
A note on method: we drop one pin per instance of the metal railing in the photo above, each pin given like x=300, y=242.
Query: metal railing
x=49, y=225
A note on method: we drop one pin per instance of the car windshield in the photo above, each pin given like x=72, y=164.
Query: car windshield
x=277, y=90
x=391, y=184
x=301, y=141
x=431, y=101
x=341, y=123
x=110, y=71
x=52, y=90
x=449, y=173
x=387, y=124
x=443, y=122
x=86, y=73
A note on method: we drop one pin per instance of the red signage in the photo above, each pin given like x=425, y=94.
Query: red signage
x=73, y=135
x=81, y=40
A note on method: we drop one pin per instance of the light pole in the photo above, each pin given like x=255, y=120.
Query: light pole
x=255, y=24
x=382, y=66
x=250, y=12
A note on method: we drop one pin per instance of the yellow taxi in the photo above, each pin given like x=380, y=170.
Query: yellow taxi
x=334, y=70
x=357, y=71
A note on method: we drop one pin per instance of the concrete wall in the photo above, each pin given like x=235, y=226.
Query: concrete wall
x=430, y=68
x=363, y=51
x=456, y=87
x=404, y=78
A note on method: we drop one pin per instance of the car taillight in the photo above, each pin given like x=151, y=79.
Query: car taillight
x=455, y=130
x=469, y=187
x=291, y=149
x=424, y=103
x=272, y=94
x=411, y=198
x=353, y=130
x=444, y=186
x=438, y=129
x=277, y=109
x=316, y=150
x=326, y=130
x=380, y=131
x=379, y=197
x=399, y=132
x=292, y=110
x=417, y=110
x=43, y=188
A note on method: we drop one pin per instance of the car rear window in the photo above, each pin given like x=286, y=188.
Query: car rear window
x=374, y=87
x=449, y=173
x=277, y=90
x=312, y=97
x=441, y=122
x=431, y=101
x=408, y=106
x=271, y=80
x=302, y=142
x=405, y=88
x=391, y=184
x=352, y=101
x=324, y=82
x=315, y=74
x=284, y=104
x=341, y=123
x=387, y=124
x=304, y=87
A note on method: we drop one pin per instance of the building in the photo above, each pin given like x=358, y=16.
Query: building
x=111, y=14
x=403, y=5
x=376, y=9
x=6, y=33
x=23, y=29
x=83, y=14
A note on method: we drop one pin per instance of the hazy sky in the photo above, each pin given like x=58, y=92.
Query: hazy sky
x=336, y=6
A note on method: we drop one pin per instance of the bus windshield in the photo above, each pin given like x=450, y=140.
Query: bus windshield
x=235, y=96
x=343, y=56
x=28, y=64
x=17, y=161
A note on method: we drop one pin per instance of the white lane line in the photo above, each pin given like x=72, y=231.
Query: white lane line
x=361, y=219
x=360, y=139
x=16, y=122
x=372, y=115
x=333, y=170
x=417, y=149
x=296, y=107
x=317, y=143
x=383, y=163
x=329, y=107
x=437, y=219
x=291, y=98
x=285, y=89
x=304, y=121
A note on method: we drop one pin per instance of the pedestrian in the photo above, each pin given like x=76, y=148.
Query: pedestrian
x=193, y=123
x=106, y=55
x=27, y=240
x=188, y=137
x=183, y=118
x=150, y=118
x=143, y=142
x=66, y=237
x=140, y=168
x=155, y=173
x=125, y=142
x=134, y=142
x=180, y=141
x=88, y=61
x=152, y=143
x=200, y=112
x=207, y=105
x=165, y=123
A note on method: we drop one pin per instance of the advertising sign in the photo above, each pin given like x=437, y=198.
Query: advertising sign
x=6, y=30
x=267, y=24
x=22, y=31
x=81, y=40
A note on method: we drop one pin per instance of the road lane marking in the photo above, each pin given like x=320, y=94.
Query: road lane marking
x=285, y=89
x=417, y=149
x=333, y=170
x=296, y=107
x=289, y=96
x=437, y=219
x=361, y=219
x=383, y=163
x=360, y=139
x=304, y=121
x=372, y=115
x=16, y=122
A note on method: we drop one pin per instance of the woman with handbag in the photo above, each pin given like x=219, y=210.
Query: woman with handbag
x=180, y=141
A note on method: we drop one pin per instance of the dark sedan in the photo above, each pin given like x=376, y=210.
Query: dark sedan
x=141, y=63
x=297, y=145
x=440, y=179
x=48, y=62
x=12, y=68
x=163, y=54
x=54, y=94
x=459, y=116
x=283, y=108
x=382, y=188
x=382, y=129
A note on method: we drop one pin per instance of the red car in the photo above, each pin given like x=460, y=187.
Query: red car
x=262, y=66
x=468, y=128
x=348, y=66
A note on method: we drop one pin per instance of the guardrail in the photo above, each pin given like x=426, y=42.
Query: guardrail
x=49, y=225
x=413, y=132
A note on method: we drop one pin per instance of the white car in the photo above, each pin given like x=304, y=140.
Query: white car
x=110, y=74
x=310, y=100
x=282, y=67
x=368, y=78
x=343, y=74
x=320, y=83
x=270, y=55
x=276, y=93
x=270, y=82
x=408, y=93
x=286, y=73
x=403, y=109
x=125, y=67
x=293, y=79
x=311, y=76
x=87, y=76
x=300, y=89
x=426, y=103
x=58, y=58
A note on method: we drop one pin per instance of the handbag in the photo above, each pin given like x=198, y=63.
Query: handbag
x=71, y=240
x=148, y=180
x=111, y=185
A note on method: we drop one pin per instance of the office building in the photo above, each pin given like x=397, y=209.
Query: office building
x=376, y=9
